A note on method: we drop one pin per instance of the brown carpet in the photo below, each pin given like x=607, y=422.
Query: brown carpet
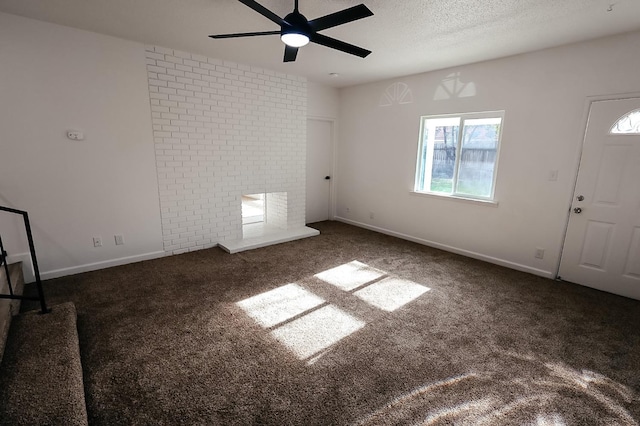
x=43, y=350
x=409, y=335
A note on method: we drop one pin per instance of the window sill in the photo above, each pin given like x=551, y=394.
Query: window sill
x=490, y=203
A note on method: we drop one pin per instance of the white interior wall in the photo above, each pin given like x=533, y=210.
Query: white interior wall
x=12, y=226
x=16, y=244
x=53, y=79
x=544, y=95
x=323, y=101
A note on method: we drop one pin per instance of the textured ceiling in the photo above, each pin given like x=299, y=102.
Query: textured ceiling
x=406, y=37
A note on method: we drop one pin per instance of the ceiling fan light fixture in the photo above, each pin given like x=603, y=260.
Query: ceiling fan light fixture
x=297, y=31
x=294, y=39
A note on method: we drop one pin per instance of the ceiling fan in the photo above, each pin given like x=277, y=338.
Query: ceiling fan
x=296, y=31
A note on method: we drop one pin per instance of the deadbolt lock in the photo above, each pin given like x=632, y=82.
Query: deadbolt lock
x=580, y=197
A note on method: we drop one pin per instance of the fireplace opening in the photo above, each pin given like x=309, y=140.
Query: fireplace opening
x=265, y=220
x=263, y=214
x=253, y=208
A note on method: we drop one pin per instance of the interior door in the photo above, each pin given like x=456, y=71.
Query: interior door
x=602, y=245
x=319, y=169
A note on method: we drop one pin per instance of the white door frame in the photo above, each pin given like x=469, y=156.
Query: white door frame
x=333, y=189
x=585, y=122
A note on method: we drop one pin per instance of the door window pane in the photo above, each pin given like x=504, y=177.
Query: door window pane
x=628, y=124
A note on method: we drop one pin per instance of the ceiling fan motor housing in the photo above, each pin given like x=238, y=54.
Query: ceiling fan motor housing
x=297, y=24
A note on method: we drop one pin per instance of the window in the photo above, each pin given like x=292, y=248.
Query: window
x=458, y=154
x=628, y=124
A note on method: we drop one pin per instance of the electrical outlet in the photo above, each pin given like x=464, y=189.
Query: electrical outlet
x=97, y=241
x=347, y=209
x=372, y=215
x=119, y=239
x=539, y=253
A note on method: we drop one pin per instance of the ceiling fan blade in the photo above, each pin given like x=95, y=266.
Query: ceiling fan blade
x=262, y=11
x=339, y=45
x=333, y=20
x=290, y=53
x=245, y=34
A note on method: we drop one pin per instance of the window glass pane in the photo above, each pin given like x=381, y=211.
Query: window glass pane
x=628, y=124
x=444, y=158
x=439, y=144
x=478, y=154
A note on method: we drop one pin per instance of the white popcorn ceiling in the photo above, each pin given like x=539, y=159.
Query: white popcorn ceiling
x=406, y=37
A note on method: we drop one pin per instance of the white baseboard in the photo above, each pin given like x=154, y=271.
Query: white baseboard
x=56, y=273
x=472, y=254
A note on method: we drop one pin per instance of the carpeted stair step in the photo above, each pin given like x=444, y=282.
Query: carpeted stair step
x=41, y=374
x=9, y=308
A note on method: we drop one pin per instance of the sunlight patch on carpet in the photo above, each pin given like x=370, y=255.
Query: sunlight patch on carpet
x=553, y=419
x=543, y=403
x=279, y=305
x=317, y=331
x=591, y=383
x=448, y=413
x=309, y=325
x=350, y=275
x=391, y=293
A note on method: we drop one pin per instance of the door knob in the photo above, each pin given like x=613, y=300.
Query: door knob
x=327, y=177
x=577, y=210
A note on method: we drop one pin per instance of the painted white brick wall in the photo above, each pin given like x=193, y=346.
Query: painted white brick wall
x=277, y=209
x=221, y=130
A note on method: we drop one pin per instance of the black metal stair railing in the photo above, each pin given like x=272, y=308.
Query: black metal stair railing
x=34, y=260
x=3, y=261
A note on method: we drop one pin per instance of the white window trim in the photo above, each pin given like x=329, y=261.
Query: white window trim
x=454, y=197
x=490, y=200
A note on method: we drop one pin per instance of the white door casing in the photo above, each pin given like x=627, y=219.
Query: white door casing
x=602, y=244
x=319, y=167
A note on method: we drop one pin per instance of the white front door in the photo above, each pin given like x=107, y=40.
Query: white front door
x=319, y=169
x=602, y=245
